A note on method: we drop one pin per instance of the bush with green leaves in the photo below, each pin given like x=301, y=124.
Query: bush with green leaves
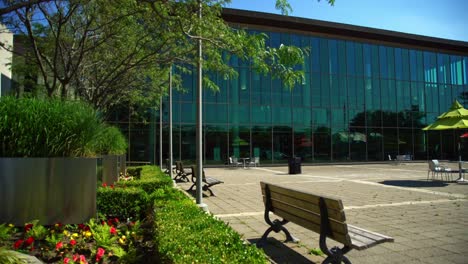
x=123, y=203
x=185, y=234
x=33, y=127
x=110, y=141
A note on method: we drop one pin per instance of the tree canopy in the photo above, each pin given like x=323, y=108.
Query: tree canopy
x=108, y=52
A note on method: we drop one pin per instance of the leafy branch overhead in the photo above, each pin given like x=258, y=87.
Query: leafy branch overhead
x=113, y=52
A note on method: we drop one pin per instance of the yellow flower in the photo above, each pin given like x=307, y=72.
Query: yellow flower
x=52, y=231
x=88, y=234
x=75, y=235
x=121, y=241
x=124, y=237
x=65, y=232
x=11, y=226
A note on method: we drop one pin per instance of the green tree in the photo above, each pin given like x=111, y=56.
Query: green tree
x=110, y=52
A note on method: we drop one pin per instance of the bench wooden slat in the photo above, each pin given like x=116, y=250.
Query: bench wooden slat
x=332, y=203
x=342, y=238
x=212, y=181
x=362, y=239
x=337, y=215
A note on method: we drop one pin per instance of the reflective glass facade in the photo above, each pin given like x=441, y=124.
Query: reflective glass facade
x=360, y=101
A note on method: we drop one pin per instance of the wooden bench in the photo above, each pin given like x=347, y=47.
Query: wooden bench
x=207, y=181
x=323, y=215
x=181, y=174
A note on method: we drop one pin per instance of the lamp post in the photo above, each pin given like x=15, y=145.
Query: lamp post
x=170, y=123
x=199, y=136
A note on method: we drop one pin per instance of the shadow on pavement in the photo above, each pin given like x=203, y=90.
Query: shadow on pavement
x=280, y=253
x=414, y=183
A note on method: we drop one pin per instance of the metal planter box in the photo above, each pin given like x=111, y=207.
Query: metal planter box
x=50, y=190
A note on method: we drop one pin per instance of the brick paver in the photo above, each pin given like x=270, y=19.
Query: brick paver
x=428, y=219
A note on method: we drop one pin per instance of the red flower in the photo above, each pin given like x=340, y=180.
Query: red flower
x=75, y=257
x=73, y=242
x=116, y=220
x=112, y=186
x=29, y=241
x=66, y=260
x=27, y=227
x=83, y=260
x=99, y=254
x=59, y=245
x=104, y=185
x=113, y=230
x=18, y=244
x=83, y=227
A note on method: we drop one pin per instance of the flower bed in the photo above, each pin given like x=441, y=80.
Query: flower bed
x=94, y=242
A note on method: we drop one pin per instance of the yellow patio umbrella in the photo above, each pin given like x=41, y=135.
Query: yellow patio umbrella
x=455, y=118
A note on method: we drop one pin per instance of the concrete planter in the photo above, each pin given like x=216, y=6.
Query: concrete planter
x=110, y=169
x=51, y=190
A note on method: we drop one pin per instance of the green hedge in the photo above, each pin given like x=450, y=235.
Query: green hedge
x=185, y=234
x=123, y=203
x=147, y=185
x=32, y=127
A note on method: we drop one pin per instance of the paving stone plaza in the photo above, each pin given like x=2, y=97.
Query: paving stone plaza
x=427, y=219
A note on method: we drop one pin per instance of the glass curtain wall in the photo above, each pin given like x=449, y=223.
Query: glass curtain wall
x=359, y=102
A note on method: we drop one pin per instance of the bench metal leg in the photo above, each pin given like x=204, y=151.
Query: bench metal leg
x=207, y=188
x=277, y=226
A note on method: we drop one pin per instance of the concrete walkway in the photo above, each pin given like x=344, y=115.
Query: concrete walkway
x=427, y=219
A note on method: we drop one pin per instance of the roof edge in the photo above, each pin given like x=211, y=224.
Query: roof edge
x=255, y=18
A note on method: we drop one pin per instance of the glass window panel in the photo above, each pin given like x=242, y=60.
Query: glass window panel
x=282, y=144
x=405, y=64
x=261, y=114
x=352, y=93
x=417, y=97
x=262, y=143
x=316, y=89
x=374, y=144
x=187, y=93
x=341, y=57
x=187, y=144
x=215, y=144
x=234, y=91
x=420, y=66
x=413, y=65
x=275, y=39
x=239, y=114
x=389, y=119
x=307, y=91
x=350, y=58
x=333, y=56
x=215, y=113
x=324, y=59
x=244, y=86
x=432, y=98
x=383, y=62
x=325, y=91
x=375, y=61
x=443, y=65
x=303, y=143
x=322, y=143
x=266, y=89
x=256, y=96
x=398, y=64
x=276, y=91
x=465, y=70
x=239, y=141
x=390, y=141
x=367, y=56
x=189, y=110
x=315, y=54
x=302, y=116
x=281, y=115
x=340, y=144
x=297, y=94
x=321, y=117
x=359, y=59
x=419, y=139
x=390, y=62
x=357, y=144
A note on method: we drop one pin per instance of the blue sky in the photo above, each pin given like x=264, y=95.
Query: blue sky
x=436, y=18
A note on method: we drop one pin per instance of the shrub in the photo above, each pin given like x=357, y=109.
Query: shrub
x=32, y=127
x=185, y=234
x=109, y=141
x=147, y=185
x=122, y=203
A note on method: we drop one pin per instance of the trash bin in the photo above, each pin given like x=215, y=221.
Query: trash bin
x=295, y=165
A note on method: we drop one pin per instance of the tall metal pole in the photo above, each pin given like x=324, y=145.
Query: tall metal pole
x=160, y=134
x=199, y=142
x=170, y=123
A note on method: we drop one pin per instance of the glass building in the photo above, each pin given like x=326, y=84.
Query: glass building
x=366, y=96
